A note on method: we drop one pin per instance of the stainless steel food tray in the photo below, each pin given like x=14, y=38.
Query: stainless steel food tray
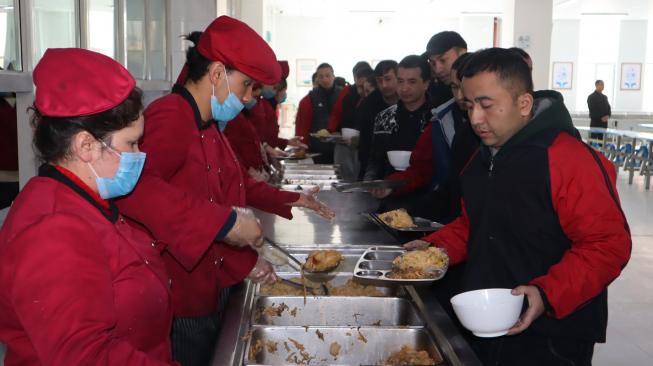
x=368, y=185
x=375, y=264
x=308, y=176
x=334, y=138
x=304, y=187
x=423, y=225
x=359, y=345
x=319, y=182
x=287, y=166
x=336, y=280
x=295, y=157
x=337, y=311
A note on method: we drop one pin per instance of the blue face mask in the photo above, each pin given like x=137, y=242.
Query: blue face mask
x=268, y=93
x=226, y=111
x=283, y=98
x=250, y=104
x=129, y=170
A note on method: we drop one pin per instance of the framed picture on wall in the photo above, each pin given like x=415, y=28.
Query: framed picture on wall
x=562, y=75
x=631, y=76
x=305, y=69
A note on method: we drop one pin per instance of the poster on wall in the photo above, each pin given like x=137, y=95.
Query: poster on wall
x=631, y=76
x=563, y=73
x=305, y=69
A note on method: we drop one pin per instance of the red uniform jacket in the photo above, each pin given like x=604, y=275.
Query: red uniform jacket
x=420, y=171
x=190, y=182
x=245, y=142
x=78, y=285
x=304, y=119
x=335, y=119
x=271, y=127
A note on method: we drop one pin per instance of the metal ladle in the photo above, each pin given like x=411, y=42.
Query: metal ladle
x=313, y=277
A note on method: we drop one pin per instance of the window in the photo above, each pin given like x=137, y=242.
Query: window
x=146, y=41
x=156, y=39
x=9, y=36
x=101, y=26
x=49, y=15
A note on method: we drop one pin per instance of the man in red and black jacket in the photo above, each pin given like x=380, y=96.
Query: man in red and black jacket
x=438, y=157
x=540, y=215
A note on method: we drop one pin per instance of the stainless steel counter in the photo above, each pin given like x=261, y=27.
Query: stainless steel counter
x=429, y=325
x=348, y=228
x=351, y=233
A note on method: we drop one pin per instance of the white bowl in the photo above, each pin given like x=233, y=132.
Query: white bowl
x=400, y=160
x=488, y=312
x=349, y=133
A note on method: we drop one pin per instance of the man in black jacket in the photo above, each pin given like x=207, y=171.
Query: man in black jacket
x=399, y=126
x=442, y=51
x=534, y=220
x=383, y=97
x=599, y=108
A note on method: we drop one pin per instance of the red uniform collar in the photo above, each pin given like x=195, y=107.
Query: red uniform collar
x=75, y=179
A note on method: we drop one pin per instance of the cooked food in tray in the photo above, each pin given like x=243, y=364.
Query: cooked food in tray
x=398, y=219
x=322, y=260
x=350, y=288
x=418, y=264
x=299, y=154
x=409, y=356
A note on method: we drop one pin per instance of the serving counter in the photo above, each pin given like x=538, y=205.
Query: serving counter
x=364, y=330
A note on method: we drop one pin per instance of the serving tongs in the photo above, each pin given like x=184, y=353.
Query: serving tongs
x=313, y=277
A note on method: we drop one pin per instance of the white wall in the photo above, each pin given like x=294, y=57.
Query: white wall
x=532, y=32
x=597, y=46
x=564, y=48
x=632, y=48
x=343, y=38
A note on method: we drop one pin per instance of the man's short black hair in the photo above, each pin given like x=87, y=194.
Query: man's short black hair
x=324, y=65
x=384, y=66
x=460, y=63
x=369, y=76
x=443, y=42
x=596, y=83
x=415, y=61
x=509, y=67
x=360, y=66
x=523, y=54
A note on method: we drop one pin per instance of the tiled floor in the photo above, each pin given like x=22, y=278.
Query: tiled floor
x=630, y=326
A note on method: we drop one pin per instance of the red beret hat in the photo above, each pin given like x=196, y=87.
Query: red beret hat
x=236, y=45
x=285, y=69
x=74, y=82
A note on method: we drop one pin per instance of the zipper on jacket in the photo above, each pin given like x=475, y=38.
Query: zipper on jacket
x=491, y=168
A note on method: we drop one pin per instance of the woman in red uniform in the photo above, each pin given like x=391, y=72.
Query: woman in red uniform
x=192, y=181
x=246, y=143
x=78, y=285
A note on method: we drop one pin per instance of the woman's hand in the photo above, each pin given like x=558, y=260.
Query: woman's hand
x=246, y=231
x=262, y=272
x=296, y=141
x=258, y=175
x=309, y=201
x=275, y=153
